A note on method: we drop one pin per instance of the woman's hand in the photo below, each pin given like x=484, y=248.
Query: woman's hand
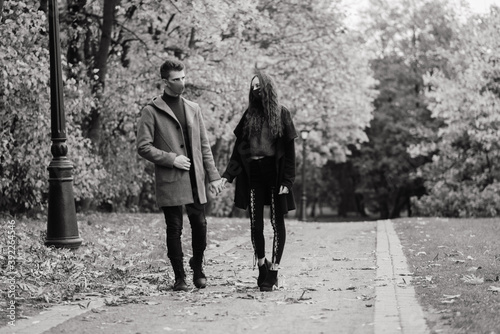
x=223, y=182
x=283, y=190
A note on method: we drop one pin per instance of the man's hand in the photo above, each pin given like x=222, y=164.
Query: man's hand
x=283, y=190
x=182, y=162
x=215, y=187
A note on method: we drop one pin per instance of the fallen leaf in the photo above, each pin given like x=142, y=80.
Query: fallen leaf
x=472, y=279
x=152, y=303
x=451, y=301
x=457, y=260
x=451, y=296
x=473, y=269
x=494, y=288
x=317, y=317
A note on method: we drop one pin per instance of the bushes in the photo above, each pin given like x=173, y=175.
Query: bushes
x=465, y=201
x=463, y=179
x=25, y=116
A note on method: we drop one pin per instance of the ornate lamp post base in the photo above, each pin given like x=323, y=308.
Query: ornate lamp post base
x=62, y=227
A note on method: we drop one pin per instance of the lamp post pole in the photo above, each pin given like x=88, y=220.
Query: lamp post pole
x=303, y=211
x=62, y=227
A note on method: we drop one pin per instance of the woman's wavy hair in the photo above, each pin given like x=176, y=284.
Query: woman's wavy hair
x=265, y=108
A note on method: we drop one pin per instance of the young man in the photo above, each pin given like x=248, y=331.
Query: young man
x=172, y=135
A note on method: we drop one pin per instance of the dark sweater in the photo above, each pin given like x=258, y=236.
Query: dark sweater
x=177, y=105
x=263, y=144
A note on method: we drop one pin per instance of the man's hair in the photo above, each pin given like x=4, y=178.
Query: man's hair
x=170, y=65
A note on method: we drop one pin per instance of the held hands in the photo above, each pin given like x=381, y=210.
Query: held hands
x=215, y=187
x=182, y=162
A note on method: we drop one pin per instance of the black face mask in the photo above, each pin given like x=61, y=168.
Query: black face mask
x=256, y=93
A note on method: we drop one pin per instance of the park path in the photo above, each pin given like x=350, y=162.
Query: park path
x=335, y=278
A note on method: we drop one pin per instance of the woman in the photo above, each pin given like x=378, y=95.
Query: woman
x=263, y=163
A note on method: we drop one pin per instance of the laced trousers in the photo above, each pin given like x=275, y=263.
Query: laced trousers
x=262, y=190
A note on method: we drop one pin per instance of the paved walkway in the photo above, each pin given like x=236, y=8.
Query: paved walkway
x=335, y=278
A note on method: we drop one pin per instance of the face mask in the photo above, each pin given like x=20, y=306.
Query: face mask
x=176, y=87
x=256, y=93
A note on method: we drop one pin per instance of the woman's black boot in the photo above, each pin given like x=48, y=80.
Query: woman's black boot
x=270, y=281
x=180, y=275
x=263, y=269
x=199, y=278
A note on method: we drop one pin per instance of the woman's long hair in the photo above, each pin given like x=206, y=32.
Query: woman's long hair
x=265, y=108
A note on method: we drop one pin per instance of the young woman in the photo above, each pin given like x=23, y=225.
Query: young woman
x=263, y=163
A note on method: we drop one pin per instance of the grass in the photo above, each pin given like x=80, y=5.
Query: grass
x=123, y=256
x=456, y=268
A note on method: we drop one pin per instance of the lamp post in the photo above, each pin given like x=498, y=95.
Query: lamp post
x=62, y=227
x=303, y=214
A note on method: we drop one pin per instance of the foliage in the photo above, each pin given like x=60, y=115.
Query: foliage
x=463, y=179
x=25, y=114
x=323, y=73
x=111, y=54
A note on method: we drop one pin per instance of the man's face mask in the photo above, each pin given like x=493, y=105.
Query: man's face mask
x=175, y=83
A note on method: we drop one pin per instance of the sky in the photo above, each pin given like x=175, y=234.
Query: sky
x=482, y=6
x=476, y=6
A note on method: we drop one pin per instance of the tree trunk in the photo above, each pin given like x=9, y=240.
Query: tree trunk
x=76, y=8
x=100, y=67
x=1, y=9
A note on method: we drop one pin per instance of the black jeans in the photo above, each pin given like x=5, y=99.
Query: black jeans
x=197, y=220
x=263, y=189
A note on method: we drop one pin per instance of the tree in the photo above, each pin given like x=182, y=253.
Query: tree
x=406, y=37
x=463, y=178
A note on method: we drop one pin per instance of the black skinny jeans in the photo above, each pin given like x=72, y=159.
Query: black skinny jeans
x=197, y=220
x=263, y=189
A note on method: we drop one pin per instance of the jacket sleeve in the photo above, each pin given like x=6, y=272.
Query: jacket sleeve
x=145, y=138
x=208, y=159
x=241, y=148
x=289, y=137
x=235, y=166
x=289, y=171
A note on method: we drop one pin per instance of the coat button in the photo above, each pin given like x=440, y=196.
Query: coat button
x=182, y=145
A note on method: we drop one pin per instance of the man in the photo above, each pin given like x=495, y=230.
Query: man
x=172, y=135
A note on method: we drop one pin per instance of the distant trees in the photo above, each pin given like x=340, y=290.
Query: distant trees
x=463, y=178
x=435, y=125
x=406, y=37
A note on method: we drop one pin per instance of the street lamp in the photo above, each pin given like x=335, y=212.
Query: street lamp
x=62, y=227
x=304, y=134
